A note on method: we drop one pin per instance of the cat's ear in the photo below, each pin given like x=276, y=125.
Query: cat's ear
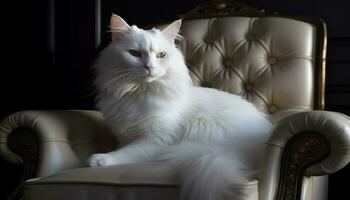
x=172, y=30
x=118, y=27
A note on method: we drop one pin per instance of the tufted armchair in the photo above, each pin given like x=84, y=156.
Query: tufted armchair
x=276, y=62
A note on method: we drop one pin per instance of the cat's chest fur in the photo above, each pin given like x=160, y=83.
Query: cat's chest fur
x=144, y=115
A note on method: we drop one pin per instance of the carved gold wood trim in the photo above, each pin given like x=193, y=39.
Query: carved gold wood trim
x=322, y=48
x=226, y=8
x=301, y=151
x=218, y=8
x=24, y=143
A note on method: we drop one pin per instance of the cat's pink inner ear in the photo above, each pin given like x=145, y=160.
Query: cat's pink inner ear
x=172, y=30
x=118, y=27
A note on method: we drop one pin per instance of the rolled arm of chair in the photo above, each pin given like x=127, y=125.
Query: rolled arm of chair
x=46, y=142
x=322, y=138
x=311, y=143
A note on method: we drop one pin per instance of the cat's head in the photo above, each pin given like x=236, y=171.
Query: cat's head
x=147, y=55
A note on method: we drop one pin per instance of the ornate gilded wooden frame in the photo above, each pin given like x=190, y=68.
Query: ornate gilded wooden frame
x=25, y=143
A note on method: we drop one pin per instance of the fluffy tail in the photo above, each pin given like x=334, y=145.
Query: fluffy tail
x=207, y=171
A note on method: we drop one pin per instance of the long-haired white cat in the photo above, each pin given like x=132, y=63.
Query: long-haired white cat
x=145, y=92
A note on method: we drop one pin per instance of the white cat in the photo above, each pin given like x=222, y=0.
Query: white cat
x=146, y=95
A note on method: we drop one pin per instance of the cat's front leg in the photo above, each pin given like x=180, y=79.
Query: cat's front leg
x=137, y=151
x=103, y=159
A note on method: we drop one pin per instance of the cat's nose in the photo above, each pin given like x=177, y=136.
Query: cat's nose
x=149, y=67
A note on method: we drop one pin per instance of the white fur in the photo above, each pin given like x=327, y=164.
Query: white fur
x=214, y=138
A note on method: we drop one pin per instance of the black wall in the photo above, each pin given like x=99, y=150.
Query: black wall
x=49, y=45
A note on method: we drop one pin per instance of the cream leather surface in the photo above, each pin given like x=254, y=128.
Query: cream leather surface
x=333, y=125
x=316, y=187
x=133, y=181
x=270, y=61
x=66, y=137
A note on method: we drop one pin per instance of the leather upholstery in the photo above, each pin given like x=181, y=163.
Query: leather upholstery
x=336, y=128
x=268, y=60
x=67, y=136
x=146, y=181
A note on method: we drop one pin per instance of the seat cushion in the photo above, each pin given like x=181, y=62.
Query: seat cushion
x=127, y=182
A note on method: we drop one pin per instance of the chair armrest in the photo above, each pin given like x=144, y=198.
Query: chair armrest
x=304, y=144
x=51, y=141
x=323, y=130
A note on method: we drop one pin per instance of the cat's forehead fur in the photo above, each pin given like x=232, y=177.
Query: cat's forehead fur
x=151, y=40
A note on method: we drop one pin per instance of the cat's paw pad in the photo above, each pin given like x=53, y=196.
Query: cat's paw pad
x=101, y=159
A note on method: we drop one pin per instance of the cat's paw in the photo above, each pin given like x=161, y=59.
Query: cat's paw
x=101, y=159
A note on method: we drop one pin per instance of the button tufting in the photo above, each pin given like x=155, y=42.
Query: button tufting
x=208, y=40
x=228, y=62
x=206, y=84
x=250, y=37
x=189, y=62
x=272, y=60
x=249, y=86
x=272, y=108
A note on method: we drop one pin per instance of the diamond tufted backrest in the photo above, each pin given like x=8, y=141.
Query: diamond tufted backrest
x=271, y=61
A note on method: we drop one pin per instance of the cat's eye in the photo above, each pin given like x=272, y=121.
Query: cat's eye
x=161, y=54
x=135, y=53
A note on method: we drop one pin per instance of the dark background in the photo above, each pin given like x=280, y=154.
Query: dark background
x=48, y=47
